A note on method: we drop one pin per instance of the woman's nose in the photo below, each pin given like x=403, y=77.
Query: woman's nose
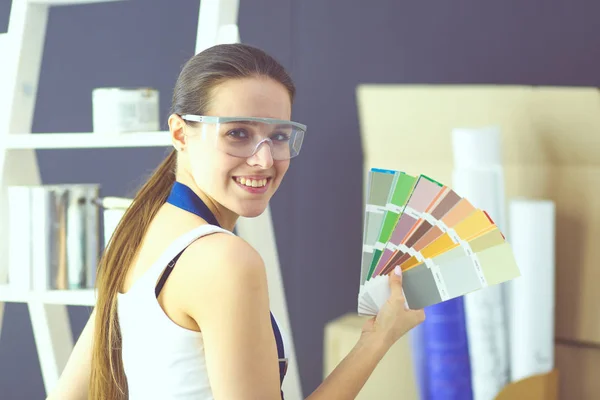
x=263, y=155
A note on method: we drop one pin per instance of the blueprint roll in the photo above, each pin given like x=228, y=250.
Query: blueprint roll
x=532, y=237
x=478, y=175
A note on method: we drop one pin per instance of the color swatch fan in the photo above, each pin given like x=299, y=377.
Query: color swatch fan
x=445, y=246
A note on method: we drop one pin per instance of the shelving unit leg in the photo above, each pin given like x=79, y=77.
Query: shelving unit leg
x=53, y=339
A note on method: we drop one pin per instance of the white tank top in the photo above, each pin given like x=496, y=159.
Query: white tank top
x=162, y=360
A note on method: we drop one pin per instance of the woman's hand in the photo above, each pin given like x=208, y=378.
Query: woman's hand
x=378, y=335
x=394, y=318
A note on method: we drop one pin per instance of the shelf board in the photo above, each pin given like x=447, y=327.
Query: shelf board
x=76, y=297
x=69, y=2
x=87, y=140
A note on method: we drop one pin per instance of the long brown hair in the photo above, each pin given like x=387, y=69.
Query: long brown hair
x=192, y=95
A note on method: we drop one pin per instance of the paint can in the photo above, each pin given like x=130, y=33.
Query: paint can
x=119, y=110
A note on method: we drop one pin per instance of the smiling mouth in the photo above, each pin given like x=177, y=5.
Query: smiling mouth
x=250, y=182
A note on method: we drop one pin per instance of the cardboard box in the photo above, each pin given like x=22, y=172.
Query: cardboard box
x=394, y=376
x=578, y=367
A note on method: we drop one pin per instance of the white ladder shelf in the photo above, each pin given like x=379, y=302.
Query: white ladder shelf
x=23, y=45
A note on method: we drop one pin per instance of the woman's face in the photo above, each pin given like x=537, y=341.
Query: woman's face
x=243, y=185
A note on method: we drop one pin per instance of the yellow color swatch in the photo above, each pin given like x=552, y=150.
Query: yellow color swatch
x=474, y=225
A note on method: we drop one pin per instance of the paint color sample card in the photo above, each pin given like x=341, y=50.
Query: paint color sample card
x=379, y=187
x=424, y=286
x=456, y=275
x=430, y=221
x=401, y=193
x=475, y=224
x=445, y=246
x=424, y=193
x=460, y=211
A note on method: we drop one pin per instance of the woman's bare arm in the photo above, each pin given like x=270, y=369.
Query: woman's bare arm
x=379, y=334
x=221, y=284
x=350, y=375
x=226, y=294
x=75, y=378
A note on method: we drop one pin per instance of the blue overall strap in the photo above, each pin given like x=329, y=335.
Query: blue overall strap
x=185, y=198
x=283, y=363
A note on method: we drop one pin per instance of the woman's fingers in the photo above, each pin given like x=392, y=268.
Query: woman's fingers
x=396, y=282
x=419, y=316
x=397, y=294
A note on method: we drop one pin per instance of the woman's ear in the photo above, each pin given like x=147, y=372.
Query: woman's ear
x=177, y=128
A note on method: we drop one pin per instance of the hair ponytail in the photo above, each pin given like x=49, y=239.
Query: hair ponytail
x=108, y=378
x=192, y=95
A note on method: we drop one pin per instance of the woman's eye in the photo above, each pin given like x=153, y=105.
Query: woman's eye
x=281, y=137
x=238, y=134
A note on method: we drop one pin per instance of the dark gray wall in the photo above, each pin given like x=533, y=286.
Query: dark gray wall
x=329, y=47
x=4, y=14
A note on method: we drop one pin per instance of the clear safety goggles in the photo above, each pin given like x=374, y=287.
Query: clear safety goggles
x=243, y=136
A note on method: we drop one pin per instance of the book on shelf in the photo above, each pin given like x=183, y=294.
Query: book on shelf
x=54, y=236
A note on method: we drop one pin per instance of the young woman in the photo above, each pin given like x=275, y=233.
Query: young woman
x=183, y=308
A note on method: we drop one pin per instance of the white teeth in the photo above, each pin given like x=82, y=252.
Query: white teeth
x=252, y=182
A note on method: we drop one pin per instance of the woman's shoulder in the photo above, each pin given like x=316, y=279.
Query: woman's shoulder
x=218, y=246
x=218, y=264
